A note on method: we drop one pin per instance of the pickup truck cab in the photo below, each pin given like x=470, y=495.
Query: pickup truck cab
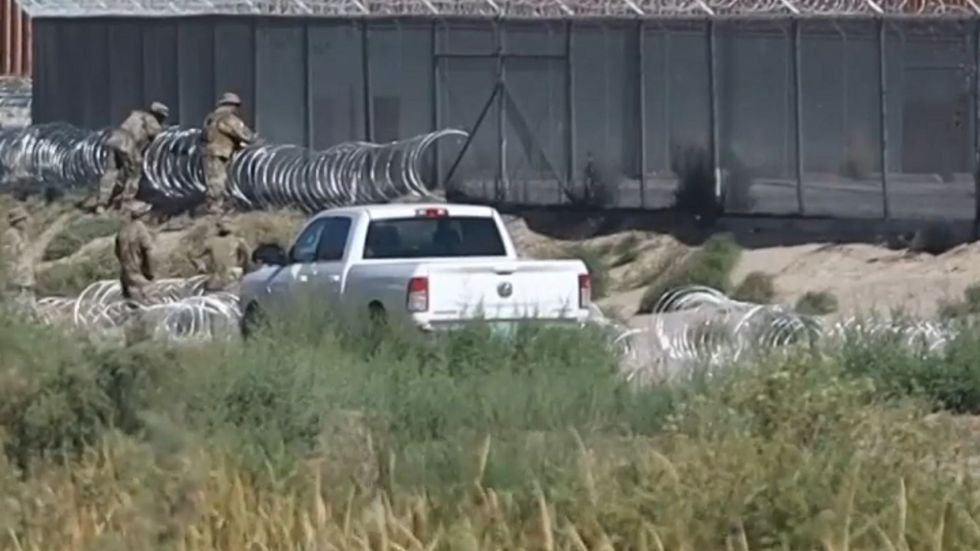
x=436, y=266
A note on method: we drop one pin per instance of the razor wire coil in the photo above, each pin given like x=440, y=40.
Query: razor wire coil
x=259, y=177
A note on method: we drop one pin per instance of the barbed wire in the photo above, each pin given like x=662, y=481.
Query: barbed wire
x=698, y=327
x=262, y=176
x=176, y=310
x=270, y=176
x=517, y=9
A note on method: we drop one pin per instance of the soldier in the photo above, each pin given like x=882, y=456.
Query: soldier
x=134, y=251
x=221, y=254
x=127, y=144
x=19, y=260
x=223, y=134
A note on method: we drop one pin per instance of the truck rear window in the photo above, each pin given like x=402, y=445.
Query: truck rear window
x=452, y=236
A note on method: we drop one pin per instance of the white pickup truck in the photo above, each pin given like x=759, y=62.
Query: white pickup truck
x=436, y=266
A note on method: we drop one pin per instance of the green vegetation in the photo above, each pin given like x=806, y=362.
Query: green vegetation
x=817, y=303
x=970, y=305
x=316, y=432
x=711, y=266
x=757, y=287
x=70, y=278
x=80, y=232
x=625, y=251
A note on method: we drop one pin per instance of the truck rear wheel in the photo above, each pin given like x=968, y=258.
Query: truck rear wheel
x=252, y=319
x=377, y=315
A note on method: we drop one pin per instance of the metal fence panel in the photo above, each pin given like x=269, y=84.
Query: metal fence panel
x=535, y=113
x=76, y=87
x=930, y=125
x=677, y=120
x=280, y=99
x=234, y=63
x=841, y=120
x=401, y=79
x=640, y=104
x=195, y=62
x=160, y=74
x=606, y=107
x=125, y=60
x=467, y=100
x=756, y=117
x=337, y=82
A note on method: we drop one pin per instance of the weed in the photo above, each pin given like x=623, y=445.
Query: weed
x=70, y=278
x=78, y=233
x=710, y=266
x=757, y=287
x=625, y=251
x=817, y=303
x=970, y=305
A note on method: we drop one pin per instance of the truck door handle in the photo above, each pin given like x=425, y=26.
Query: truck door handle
x=334, y=277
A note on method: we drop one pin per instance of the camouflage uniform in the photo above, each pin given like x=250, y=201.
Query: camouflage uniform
x=223, y=134
x=134, y=251
x=222, y=254
x=126, y=144
x=19, y=260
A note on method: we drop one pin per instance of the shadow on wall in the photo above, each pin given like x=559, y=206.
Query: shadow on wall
x=695, y=193
x=597, y=188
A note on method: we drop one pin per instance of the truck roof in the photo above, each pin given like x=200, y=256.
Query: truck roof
x=407, y=210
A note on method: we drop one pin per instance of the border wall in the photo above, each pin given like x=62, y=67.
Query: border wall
x=854, y=118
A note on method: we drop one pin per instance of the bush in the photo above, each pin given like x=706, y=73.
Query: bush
x=710, y=266
x=70, y=278
x=625, y=251
x=757, y=287
x=80, y=232
x=970, y=305
x=817, y=303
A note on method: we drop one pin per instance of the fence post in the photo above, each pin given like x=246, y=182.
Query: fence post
x=642, y=111
x=883, y=101
x=308, y=83
x=713, y=112
x=569, y=107
x=436, y=122
x=366, y=75
x=502, y=191
x=798, y=107
x=976, y=130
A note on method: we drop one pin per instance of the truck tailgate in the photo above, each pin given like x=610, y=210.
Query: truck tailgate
x=504, y=290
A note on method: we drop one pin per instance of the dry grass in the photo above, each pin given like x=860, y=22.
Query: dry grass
x=471, y=443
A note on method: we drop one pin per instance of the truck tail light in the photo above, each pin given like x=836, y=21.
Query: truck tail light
x=432, y=212
x=584, y=290
x=417, y=299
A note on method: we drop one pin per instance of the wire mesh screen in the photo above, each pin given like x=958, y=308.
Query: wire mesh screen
x=857, y=118
x=841, y=120
x=930, y=125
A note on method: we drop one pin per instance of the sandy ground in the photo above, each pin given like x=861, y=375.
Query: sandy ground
x=865, y=278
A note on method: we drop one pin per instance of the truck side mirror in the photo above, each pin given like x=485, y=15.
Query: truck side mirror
x=270, y=254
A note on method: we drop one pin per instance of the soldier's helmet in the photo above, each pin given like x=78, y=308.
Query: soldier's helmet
x=230, y=98
x=16, y=214
x=160, y=109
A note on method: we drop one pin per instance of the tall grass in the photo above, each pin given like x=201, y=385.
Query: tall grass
x=319, y=434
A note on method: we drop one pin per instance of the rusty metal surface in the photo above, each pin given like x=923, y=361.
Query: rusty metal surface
x=15, y=40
